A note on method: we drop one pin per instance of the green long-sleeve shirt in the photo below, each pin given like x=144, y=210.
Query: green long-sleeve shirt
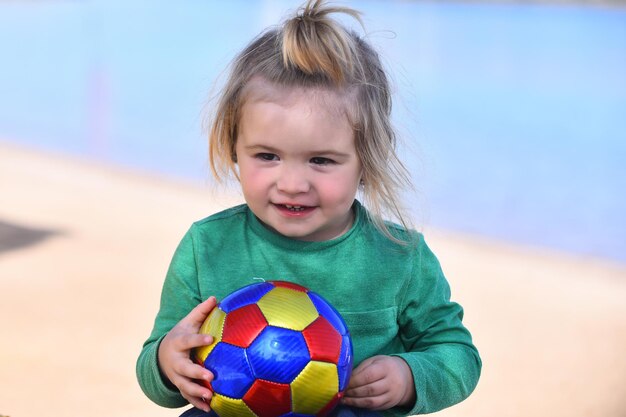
x=394, y=298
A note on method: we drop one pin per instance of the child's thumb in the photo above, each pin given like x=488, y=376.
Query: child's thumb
x=200, y=312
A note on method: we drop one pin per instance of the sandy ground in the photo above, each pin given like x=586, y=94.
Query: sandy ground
x=84, y=249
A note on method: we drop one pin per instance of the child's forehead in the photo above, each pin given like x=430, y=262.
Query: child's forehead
x=261, y=90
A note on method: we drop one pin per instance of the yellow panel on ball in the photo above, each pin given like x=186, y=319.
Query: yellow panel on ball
x=316, y=385
x=229, y=407
x=287, y=308
x=213, y=325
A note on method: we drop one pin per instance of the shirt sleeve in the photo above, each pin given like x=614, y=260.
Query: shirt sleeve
x=443, y=359
x=179, y=296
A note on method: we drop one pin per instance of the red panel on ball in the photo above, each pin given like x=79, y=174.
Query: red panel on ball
x=268, y=399
x=243, y=325
x=291, y=285
x=323, y=341
x=330, y=406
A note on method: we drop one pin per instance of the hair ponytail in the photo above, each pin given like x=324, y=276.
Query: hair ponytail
x=315, y=44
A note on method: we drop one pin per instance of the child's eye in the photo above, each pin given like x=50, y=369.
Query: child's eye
x=267, y=156
x=319, y=160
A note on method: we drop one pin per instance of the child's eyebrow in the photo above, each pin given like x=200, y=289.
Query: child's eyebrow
x=263, y=148
x=330, y=152
x=314, y=152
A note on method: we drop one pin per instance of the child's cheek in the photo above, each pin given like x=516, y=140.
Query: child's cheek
x=337, y=191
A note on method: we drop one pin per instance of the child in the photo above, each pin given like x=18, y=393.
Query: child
x=303, y=124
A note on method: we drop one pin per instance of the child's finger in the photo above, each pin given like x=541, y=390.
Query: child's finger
x=196, y=317
x=366, y=373
x=197, y=396
x=379, y=402
x=190, y=341
x=374, y=389
x=194, y=371
x=192, y=389
x=200, y=403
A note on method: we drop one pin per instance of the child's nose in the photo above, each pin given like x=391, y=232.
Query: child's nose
x=292, y=180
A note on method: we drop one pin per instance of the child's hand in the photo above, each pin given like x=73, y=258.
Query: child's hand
x=174, y=359
x=379, y=383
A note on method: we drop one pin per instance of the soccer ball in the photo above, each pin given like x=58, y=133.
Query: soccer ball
x=278, y=350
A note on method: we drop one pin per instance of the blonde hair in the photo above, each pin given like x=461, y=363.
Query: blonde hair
x=311, y=50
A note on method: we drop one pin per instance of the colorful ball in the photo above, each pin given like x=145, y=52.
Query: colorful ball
x=278, y=350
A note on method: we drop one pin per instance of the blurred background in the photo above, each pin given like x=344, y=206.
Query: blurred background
x=512, y=116
x=513, y=113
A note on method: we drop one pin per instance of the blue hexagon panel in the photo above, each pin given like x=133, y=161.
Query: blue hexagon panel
x=344, y=365
x=229, y=364
x=278, y=355
x=247, y=295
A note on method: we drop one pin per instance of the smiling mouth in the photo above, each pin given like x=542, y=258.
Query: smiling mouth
x=294, y=208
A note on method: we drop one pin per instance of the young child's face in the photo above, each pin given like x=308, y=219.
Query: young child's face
x=298, y=165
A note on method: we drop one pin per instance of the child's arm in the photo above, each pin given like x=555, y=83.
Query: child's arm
x=440, y=352
x=442, y=362
x=180, y=295
x=174, y=356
